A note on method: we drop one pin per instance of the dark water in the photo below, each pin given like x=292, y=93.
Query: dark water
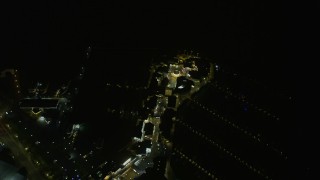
x=113, y=66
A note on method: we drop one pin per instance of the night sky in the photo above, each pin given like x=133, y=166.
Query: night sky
x=251, y=36
x=255, y=38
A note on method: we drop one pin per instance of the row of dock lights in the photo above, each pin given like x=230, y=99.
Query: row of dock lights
x=126, y=86
x=244, y=131
x=16, y=80
x=182, y=155
x=122, y=111
x=236, y=157
x=242, y=98
x=247, y=78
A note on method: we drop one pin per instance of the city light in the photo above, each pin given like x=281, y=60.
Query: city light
x=163, y=115
x=42, y=119
x=126, y=162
